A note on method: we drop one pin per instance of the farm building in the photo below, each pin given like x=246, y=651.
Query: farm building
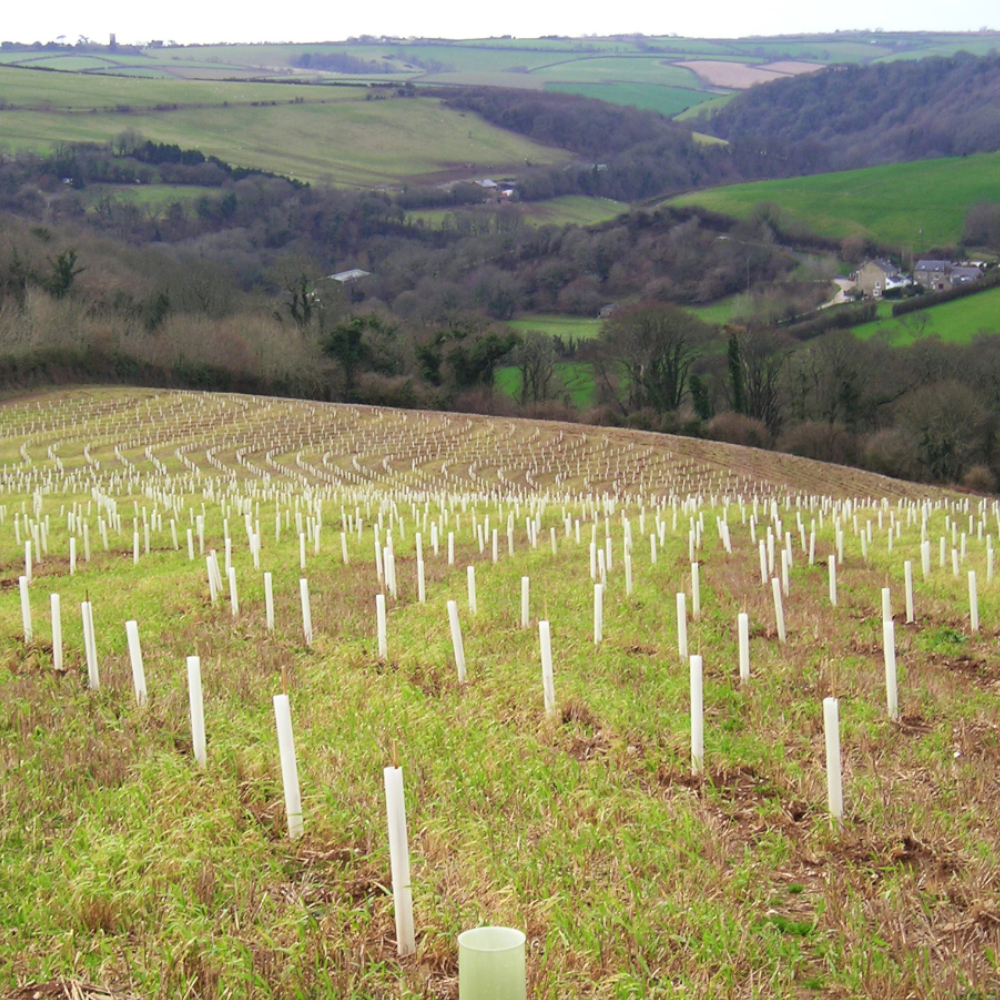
x=937, y=275
x=876, y=277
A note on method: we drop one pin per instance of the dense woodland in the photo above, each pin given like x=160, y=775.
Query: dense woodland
x=630, y=154
x=228, y=289
x=844, y=117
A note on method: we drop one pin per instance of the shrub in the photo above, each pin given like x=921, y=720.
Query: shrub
x=484, y=400
x=548, y=409
x=823, y=441
x=980, y=479
x=648, y=419
x=736, y=428
x=891, y=452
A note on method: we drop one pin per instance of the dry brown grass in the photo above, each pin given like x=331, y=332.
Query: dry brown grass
x=734, y=75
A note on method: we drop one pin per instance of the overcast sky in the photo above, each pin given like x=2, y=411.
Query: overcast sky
x=190, y=21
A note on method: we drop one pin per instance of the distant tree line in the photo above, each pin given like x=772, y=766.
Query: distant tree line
x=337, y=62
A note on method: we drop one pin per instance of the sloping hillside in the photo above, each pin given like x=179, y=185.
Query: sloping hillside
x=852, y=116
x=685, y=727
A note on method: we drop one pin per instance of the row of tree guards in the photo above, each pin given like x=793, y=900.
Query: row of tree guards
x=599, y=565
x=600, y=561
x=131, y=627
x=496, y=955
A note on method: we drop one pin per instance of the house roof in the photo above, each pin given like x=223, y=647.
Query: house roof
x=887, y=267
x=936, y=266
x=961, y=273
x=352, y=275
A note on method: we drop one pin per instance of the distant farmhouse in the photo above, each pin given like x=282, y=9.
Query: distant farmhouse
x=938, y=275
x=497, y=192
x=876, y=277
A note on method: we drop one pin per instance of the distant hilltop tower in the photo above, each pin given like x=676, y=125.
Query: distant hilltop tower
x=113, y=44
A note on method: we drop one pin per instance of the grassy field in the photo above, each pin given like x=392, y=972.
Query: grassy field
x=578, y=327
x=574, y=383
x=634, y=867
x=721, y=311
x=157, y=196
x=916, y=205
x=613, y=69
x=668, y=101
x=562, y=211
x=21, y=89
x=713, y=103
x=349, y=141
x=957, y=322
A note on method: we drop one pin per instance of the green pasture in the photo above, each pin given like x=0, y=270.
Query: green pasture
x=559, y=325
x=258, y=56
x=540, y=44
x=822, y=49
x=566, y=210
x=152, y=195
x=351, y=142
x=948, y=45
x=911, y=205
x=958, y=322
x=484, y=78
x=574, y=383
x=473, y=58
x=74, y=64
x=712, y=103
x=697, y=48
x=721, y=311
x=668, y=101
x=573, y=209
x=22, y=88
x=632, y=69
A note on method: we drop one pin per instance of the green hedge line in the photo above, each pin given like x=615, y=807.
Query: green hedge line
x=836, y=318
x=929, y=299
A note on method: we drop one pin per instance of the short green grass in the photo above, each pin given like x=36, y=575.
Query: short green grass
x=720, y=311
x=911, y=205
x=349, y=141
x=634, y=69
x=84, y=92
x=957, y=322
x=557, y=324
x=565, y=210
x=708, y=106
x=669, y=101
x=573, y=384
x=153, y=195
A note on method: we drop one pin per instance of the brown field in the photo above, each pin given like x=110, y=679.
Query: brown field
x=734, y=75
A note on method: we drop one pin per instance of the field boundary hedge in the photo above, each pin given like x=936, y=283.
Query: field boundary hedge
x=928, y=299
